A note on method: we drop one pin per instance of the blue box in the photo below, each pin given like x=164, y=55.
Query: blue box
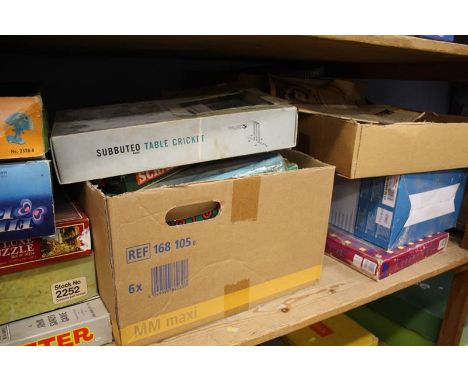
x=26, y=201
x=393, y=211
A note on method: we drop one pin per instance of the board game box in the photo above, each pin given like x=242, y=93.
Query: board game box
x=107, y=141
x=377, y=262
x=26, y=200
x=39, y=290
x=84, y=324
x=335, y=331
x=72, y=240
x=23, y=128
x=394, y=210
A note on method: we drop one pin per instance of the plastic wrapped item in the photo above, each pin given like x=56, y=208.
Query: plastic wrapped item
x=225, y=169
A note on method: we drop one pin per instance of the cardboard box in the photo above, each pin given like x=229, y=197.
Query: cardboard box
x=158, y=280
x=72, y=240
x=395, y=210
x=375, y=262
x=372, y=141
x=421, y=307
x=26, y=201
x=85, y=324
x=335, y=331
x=23, y=128
x=35, y=291
x=122, y=139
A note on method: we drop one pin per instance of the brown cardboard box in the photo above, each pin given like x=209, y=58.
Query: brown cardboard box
x=371, y=141
x=268, y=238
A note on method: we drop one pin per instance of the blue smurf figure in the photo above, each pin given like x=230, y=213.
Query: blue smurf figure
x=21, y=123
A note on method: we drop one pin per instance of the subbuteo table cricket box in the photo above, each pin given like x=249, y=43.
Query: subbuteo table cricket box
x=23, y=128
x=26, y=200
x=114, y=140
x=34, y=291
x=158, y=279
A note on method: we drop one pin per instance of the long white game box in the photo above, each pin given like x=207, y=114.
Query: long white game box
x=87, y=323
x=102, y=142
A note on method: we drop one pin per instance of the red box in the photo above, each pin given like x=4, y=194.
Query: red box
x=72, y=240
x=376, y=262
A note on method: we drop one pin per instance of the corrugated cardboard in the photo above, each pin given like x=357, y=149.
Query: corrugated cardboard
x=268, y=238
x=85, y=324
x=121, y=139
x=374, y=141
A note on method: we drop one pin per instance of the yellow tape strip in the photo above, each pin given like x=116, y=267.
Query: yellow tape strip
x=178, y=318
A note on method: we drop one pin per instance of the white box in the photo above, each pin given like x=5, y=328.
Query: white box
x=87, y=323
x=106, y=141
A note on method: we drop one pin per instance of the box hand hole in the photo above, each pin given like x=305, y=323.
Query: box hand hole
x=193, y=213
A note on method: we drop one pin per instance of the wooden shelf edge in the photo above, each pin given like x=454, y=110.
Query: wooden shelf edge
x=339, y=290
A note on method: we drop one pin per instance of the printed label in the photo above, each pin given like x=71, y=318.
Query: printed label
x=432, y=204
x=4, y=334
x=384, y=217
x=390, y=190
x=69, y=290
x=357, y=261
x=169, y=277
x=138, y=253
x=442, y=244
x=369, y=266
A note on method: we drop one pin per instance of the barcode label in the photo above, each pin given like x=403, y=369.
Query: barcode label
x=390, y=190
x=384, y=217
x=442, y=244
x=169, y=277
x=357, y=261
x=369, y=266
x=4, y=333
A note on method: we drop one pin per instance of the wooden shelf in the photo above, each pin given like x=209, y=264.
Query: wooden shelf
x=340, y=289
x=350, y=49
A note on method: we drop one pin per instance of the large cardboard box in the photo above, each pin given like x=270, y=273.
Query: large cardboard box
x=23, y=128
x=26, y=200
x=158, y=280
x=393, y=211
x=372, y=141
x=121, y=139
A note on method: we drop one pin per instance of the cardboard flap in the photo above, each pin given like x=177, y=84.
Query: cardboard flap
x=378, y=114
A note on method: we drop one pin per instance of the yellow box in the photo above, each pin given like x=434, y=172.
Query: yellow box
x=335, y=331
x=23, y=128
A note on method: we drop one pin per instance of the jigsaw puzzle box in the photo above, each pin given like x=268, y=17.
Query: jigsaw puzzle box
x=23, y=128
x=26, y=200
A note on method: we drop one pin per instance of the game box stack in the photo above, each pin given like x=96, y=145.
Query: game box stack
x=382, y=225
x=46, y=262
